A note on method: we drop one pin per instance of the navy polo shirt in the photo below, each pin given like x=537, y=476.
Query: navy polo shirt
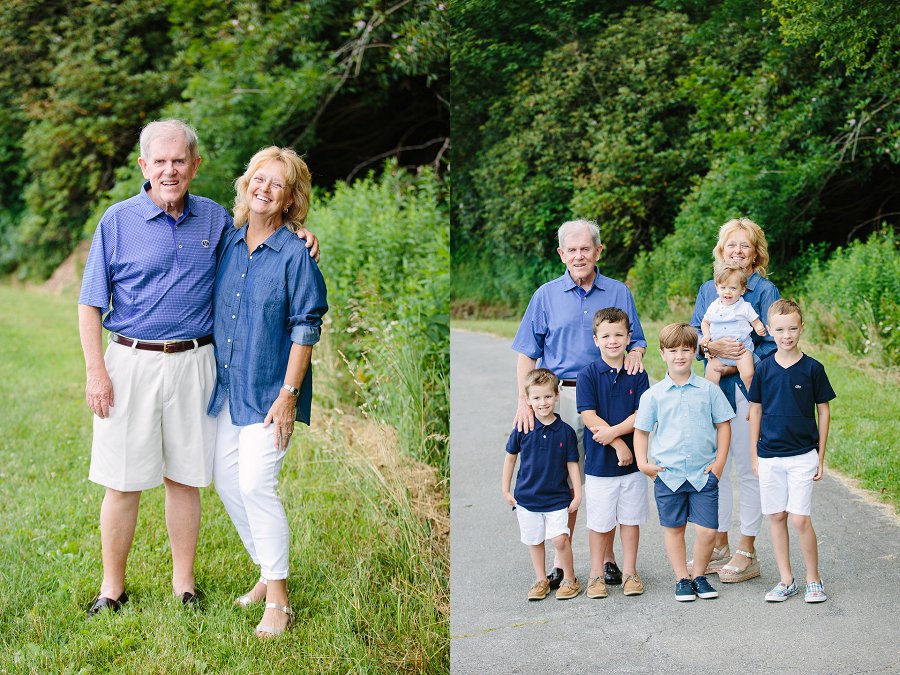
x=614, y=395
x=789, y=397
x=542, y=484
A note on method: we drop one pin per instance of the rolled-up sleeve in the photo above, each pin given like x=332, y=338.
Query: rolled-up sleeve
x=307, y=300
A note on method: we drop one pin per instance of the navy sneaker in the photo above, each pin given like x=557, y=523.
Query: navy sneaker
x=703, y=588
x=555, y=578
x=684, y=591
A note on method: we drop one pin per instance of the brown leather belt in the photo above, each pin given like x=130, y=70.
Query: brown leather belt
x=165, y=347
x=567, y=383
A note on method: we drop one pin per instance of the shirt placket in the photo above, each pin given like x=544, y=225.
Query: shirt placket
x=238, y=289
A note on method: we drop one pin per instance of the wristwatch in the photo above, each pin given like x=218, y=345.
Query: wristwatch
x=293, y=390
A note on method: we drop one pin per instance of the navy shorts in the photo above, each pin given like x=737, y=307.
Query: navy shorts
x=686, y=504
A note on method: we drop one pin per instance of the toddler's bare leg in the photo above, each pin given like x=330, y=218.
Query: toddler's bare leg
x=808, y=545
x=712, y=369
x=745, y=368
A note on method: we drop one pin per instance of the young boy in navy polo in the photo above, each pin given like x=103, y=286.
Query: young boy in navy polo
x=691, y=416
x=787, y=450
x=615, y=492
x=543, y=500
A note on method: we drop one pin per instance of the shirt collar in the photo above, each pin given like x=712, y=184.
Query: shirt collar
x=693, y=381
x=569, y=283
x=275, y=241
x=150, y=209
x=555, y=426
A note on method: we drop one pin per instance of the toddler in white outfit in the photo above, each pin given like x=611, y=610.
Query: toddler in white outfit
x=731, y=316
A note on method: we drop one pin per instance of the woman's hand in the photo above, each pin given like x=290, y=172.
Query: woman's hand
x=726, y=347
x=283, y=413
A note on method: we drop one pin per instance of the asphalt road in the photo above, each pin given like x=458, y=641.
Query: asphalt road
x=494, y=629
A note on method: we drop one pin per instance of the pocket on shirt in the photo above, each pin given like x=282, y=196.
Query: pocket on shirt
x=267, y=294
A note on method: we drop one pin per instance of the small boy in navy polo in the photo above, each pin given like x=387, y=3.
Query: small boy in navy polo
x=787, y=449
x=615, y=492
x=691, y=416
x=543, y=500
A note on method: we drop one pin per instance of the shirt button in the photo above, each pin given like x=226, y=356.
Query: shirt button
x=226, y=365
x=180, y=246
x=233, y=316
x=229, y=339
x=251, y=257
x=239, y=295
x=243, y=275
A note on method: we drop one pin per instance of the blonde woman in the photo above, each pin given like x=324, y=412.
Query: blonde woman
x=741, y=243
x=269, y=302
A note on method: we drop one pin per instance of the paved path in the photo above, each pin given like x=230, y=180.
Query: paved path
x=495, y=630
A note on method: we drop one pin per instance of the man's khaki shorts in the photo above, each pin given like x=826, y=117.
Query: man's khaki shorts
x=158, y=426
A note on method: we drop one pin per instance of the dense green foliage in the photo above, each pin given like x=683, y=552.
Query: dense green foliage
x=855, y=297
x=664, y=119
x=387, y=264
x=347, y=83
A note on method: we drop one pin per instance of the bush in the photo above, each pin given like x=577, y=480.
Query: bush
x=855, y=298
x=386, y=260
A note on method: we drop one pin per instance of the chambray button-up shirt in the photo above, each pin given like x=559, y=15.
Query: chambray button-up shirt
x=685, y=417
x=156, y=273
x=558, y=325
x=265, y=300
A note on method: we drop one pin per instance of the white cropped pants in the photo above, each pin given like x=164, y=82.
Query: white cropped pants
x=739, y=458
x=245, y=472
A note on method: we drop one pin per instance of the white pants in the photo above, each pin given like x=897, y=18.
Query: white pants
x=568, y=412
x=246, y=477
x=739, y=458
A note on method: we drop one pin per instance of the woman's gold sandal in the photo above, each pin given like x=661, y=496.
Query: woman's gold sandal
x=245, y=600
x=271, y=631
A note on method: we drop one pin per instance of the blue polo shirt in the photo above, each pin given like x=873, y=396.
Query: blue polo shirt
x=542, y=483
x=152, y=276
x=789, y=397
x=558, y=325
x=685, y=417
x=613, y=395
x=761, y=293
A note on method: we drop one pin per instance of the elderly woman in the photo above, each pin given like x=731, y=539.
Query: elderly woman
x=741, y=242
x=269, y=301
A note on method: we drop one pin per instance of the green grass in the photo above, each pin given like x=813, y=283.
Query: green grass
x=369, y=576
x=865, y=416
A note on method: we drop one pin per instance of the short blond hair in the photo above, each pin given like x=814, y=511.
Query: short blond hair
x=299, y=185
x=724, y=270
x=754, y=233
x=678, y=335
x=539, y=377
x=783, y=307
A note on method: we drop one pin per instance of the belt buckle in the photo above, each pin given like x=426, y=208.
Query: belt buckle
x=166, y=346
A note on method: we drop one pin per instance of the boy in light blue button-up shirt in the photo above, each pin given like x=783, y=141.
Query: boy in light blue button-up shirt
x=691, y=417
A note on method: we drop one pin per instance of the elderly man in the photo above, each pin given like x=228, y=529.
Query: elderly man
x=151, y=267
x=558, y=329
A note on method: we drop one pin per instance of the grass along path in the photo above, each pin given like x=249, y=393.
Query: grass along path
x=369, y=548
x=865, y=416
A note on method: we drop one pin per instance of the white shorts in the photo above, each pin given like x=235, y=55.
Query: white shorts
x=616, y=500
x=158, y=425
x=536, y=527
x=786, y=483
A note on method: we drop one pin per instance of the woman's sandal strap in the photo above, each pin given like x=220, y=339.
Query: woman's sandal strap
x=752, y=556
x=282, y=608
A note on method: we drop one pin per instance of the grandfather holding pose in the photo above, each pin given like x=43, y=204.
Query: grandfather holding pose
x=558, y=329
x=150, y=272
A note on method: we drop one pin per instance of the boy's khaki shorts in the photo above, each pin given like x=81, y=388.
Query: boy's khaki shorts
x=158, y=424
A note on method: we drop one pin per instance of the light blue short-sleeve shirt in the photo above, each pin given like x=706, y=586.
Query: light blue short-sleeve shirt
x=684, y=417
x=558, y=325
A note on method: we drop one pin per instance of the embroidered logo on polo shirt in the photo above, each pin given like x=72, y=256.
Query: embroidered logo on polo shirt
x=797, y=386
x=560, y=444
x=205, y=243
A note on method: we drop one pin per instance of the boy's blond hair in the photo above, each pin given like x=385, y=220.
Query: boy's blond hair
x=784, y=306
x=723, y=271
x=540, y=377
x=678, y=335
x=611, y=315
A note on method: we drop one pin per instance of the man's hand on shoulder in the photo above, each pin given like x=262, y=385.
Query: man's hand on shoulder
x=98, y=392
x=312, y=242
x=524, y=417
x=634, y=362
